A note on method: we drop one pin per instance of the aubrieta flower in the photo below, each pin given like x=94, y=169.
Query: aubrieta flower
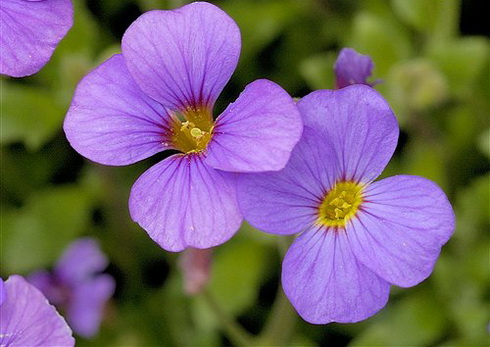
x=357, y=236
x=158, y=95
x=77, y=286
x=30, y=32
x=27, y=318
x=353, y=68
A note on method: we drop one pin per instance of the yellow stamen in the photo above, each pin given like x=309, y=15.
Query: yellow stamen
x=340, y=204
x=193, y=134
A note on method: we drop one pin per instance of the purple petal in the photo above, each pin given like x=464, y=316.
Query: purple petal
x=325, y=283
x=111, y=121
x=181, y=202
x=3, y=294
x=352, y=68
x=49, y=286
x=185, y=56
x=27, y=318
x=30, y=33
x=360, y=124
x=80, y=262
x=399, y=232
x=257, y=132
x=287, y=201
x=86, y=308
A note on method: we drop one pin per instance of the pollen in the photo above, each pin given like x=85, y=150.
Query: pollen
x=192, y=129
x=340, y=204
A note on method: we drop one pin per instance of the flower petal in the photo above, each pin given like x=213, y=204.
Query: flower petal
x=257, y=132
x=87, y=305
x=80, y=261
x=286, y=201
x=3, y=293
x=181, y=202
x=111, y=121
x=352, y=68
x=325, y=283
x=30, y=33
x=401, y=227
x=183, y=57
x=360, y=124
x=28, y=319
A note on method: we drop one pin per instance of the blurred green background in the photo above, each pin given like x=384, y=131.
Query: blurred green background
x=433, y=58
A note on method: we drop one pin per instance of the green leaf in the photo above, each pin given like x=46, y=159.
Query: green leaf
x=461, y=61
x=29, y=114
x=416, y=85
x=35, y=236
x=417, y=320
x=422, y=162
x=427, y=16
x=237, y=272
x=386, y=42
x=484, y=142
x=318, y=72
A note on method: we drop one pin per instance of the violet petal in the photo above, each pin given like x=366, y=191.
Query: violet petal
x=183, y=57
x=352, y=68
x=31, y=30
x=360, y=124
x=325, y=283
x=87, y=303
x=286, y=202
x=181, y=202
x=28, y=319
x=257, y=132
x=111, y=121
x=3, y=294
x=80, y=262
x=399, y=232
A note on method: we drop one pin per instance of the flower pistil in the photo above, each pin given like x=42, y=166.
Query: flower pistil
x=192, y=129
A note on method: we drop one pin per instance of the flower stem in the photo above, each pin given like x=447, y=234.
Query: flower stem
x=280, y=325
x=236, y=333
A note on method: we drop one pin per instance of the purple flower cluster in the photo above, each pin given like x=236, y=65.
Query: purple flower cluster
x=30, y=31
x=306, y=168
x=77, y=286
x=357, y=237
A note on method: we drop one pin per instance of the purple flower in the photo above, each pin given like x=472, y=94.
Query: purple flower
x=159, y=95
x=76, y=285
x=30, y=31
x=357, y=236
x=353, y=68
x=27, y=318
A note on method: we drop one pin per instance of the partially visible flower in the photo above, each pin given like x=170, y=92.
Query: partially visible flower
x=196, y=269
x=353, y=68
x=159, y=95
x=28, y=319
x=2, y=291
x=30, y=32
x=357, y=236
x=77, y=286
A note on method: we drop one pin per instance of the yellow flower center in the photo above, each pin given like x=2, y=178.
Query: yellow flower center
x=340, y=204
x=192, y=129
